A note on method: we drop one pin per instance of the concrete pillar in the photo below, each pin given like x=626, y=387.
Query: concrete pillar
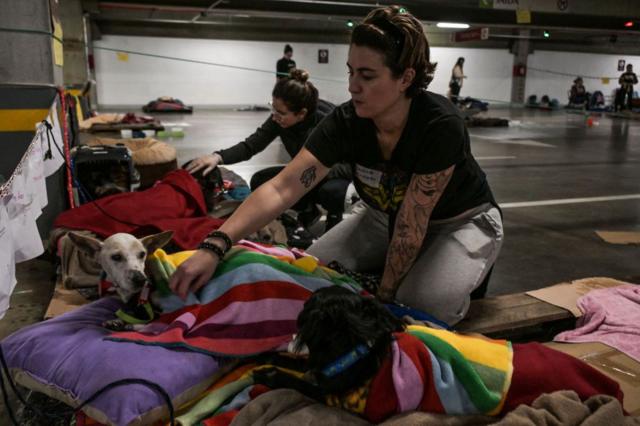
x=520, y=52
x=29, y=76
x=75, y=48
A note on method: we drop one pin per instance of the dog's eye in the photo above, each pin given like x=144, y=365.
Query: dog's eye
x=141, y=255
x=116, y=257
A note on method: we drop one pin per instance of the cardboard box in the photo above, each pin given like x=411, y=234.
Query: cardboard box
x=566, y=295
x=616, y=237
x=64, y=300
x=620, y=367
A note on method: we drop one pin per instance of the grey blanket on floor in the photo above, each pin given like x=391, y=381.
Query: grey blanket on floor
x=285, y=407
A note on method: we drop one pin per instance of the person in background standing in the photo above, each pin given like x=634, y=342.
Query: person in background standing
x=455, y=84
x=626, y=80
x=285, y=64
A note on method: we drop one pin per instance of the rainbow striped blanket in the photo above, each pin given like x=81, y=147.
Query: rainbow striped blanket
x=250, y=305
x=435, y=371
x=428, y=370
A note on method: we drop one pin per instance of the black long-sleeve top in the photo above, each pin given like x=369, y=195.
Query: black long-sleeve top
x=293, y=138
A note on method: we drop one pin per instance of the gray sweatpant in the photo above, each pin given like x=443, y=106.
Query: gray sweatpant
x=454, y=259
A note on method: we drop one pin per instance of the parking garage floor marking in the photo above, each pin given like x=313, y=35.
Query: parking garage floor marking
x=569, y=201
x=497, y=157
x=524, y=142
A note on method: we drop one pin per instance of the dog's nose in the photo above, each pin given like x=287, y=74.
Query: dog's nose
x=138, y=278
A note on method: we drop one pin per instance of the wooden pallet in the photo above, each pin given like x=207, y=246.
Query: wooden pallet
x=517, y=317
x=116, y=127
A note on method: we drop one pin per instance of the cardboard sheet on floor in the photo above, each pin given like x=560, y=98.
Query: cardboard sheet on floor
x=613, y=363
x=619, y=237
x=64, y=300
x=566, y=295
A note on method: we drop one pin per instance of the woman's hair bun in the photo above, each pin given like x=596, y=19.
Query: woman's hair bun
x=299, y=75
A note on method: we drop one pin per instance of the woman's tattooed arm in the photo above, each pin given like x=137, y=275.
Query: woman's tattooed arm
x=411, y=227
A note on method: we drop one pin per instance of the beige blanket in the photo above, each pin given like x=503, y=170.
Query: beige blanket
x=287, y=407
x=77, y=269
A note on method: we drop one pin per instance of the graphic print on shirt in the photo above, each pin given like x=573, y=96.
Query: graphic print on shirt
x=382, y=187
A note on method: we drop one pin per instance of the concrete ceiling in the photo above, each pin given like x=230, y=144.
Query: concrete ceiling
x=585, y=25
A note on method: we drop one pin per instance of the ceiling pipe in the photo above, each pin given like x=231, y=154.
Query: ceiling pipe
x=151, y=7
x=206, y=12
x=292, y=15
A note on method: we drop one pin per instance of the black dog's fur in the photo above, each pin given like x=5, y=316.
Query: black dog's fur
x=333, y=322
x=212, y=185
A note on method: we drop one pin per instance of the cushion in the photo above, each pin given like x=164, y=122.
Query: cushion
x=68, y=359
x=146, y=151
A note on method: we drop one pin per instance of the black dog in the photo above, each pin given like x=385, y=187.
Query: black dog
x=211, y=184
x=348, y=337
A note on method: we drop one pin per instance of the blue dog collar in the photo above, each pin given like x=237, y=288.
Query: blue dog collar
x=345, y=361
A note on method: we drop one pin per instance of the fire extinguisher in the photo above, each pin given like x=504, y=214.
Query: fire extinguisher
x=519, y=70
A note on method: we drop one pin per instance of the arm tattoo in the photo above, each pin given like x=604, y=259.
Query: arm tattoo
x=411, y=225
x=308, y=176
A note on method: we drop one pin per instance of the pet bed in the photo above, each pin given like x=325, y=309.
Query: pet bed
x=68, y=359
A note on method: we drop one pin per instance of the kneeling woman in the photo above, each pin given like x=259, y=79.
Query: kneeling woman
x=296, y=112
x=431, y=222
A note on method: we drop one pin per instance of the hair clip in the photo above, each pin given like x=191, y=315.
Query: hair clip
x=391, y=30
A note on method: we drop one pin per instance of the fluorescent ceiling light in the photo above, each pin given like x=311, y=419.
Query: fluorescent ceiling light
x=451, y=25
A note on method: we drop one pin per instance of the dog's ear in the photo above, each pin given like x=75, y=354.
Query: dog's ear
x=156, y=241
x=87, y=244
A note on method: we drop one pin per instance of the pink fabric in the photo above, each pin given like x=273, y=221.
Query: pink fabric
x=274, y=250
x=267, y=249
x=407, y=380
x=611, y=316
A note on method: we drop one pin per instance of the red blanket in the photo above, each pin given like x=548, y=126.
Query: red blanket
x=175, y=203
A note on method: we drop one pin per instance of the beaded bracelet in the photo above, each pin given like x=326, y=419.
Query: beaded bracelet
x=212, y=248
x=224, y=237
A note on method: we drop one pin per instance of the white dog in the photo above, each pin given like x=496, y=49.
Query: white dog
x=122, y=257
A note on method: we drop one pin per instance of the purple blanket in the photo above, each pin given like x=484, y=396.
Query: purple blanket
x=611, y=316
x=69, y=353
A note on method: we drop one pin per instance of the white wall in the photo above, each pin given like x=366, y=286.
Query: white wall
x=488, y=71
x=141, y=78
x=575, y=64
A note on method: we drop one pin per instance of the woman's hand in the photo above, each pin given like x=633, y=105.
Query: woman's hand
x=193, y=273
x=207, y=162
x=385, y=294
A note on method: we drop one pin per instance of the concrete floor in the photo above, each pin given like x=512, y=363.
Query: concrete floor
x=541, y=156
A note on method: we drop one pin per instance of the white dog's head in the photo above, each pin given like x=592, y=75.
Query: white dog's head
x=122, y=257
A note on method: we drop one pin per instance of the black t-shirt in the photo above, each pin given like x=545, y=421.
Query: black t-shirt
x=628, y=79
x=283, y=66
x=293, y=138
x=434, y=139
